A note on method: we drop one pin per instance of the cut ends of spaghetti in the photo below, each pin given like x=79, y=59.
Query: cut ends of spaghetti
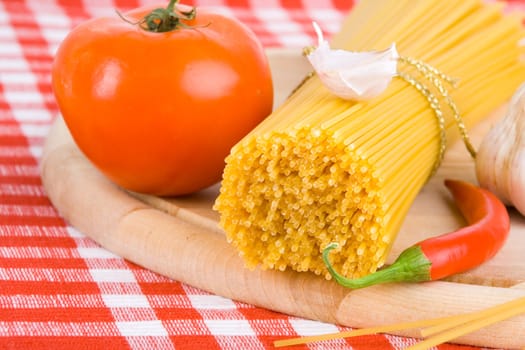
x=285, y=196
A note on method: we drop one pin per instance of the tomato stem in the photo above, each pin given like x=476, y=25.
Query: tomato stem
x=171, y=5
x=166, y=19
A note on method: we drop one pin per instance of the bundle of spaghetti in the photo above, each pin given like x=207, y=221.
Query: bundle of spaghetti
x=321, y=169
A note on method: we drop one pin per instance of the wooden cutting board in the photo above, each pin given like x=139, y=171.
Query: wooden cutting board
x=180, y=238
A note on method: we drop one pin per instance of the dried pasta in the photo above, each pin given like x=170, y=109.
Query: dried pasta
x=321, y=169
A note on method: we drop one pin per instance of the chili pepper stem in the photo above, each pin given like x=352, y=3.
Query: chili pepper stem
x=411, y=266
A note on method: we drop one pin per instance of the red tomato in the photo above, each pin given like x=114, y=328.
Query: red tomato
x=158, y=112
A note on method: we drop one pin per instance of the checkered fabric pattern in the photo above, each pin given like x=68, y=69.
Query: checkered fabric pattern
x=58, y=289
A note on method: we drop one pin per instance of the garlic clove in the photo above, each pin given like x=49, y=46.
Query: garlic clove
x=500, y=160
x=353, y=75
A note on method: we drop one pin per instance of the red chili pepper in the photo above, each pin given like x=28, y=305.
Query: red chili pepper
x=450, y=253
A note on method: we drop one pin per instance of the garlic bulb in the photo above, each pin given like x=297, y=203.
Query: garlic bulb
x=500, y=161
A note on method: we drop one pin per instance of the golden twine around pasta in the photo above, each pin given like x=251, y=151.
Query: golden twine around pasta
x=365, y=75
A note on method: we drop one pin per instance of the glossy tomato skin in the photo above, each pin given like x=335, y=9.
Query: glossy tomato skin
x=157, y=113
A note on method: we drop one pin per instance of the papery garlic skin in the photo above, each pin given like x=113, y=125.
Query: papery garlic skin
x=353, y=75
x=500, y=160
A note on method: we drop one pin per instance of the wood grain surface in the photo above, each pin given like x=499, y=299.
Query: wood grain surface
x=179, y=238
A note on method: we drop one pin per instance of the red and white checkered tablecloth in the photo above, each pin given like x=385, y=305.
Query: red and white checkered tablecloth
x=58, y=289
